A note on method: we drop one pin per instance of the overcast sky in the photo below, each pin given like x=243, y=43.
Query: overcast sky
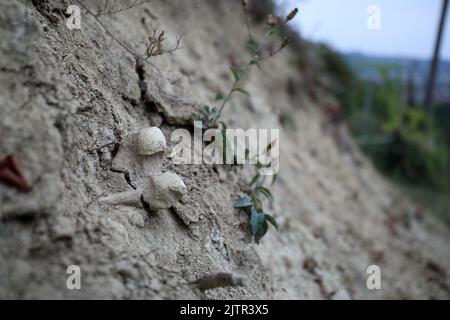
x=408, y=27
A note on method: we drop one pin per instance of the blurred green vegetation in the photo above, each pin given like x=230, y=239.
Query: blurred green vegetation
x=405, y=142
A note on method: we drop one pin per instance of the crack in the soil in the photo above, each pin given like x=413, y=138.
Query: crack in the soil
x=126, y=175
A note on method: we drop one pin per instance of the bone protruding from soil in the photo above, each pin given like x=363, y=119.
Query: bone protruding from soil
x=163, y=190
x=159, y=191
x=131, y=197
x=151, y=141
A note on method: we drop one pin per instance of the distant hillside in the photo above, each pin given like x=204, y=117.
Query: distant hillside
x=365, y=66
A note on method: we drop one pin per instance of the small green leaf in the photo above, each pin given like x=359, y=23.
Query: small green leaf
x=255, y=179
x=254, y=221
x=206, y=109
x=213, y=114
x=261, y=231
x=241, y=91
x=255, y=200
x=253, y=46
x=243, y=202
x=271, y=31
x=195, y=121
x=272, y=221
x=266, y=192
x=274, y=178
x=219, y=96
x=238, y=73
x=257, y=218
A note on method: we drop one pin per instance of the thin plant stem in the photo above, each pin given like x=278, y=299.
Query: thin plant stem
x=123, y=45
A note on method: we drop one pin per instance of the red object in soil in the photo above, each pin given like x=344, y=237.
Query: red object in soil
x=11, y=173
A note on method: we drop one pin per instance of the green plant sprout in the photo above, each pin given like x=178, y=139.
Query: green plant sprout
x=210, y=115
x=251, y=202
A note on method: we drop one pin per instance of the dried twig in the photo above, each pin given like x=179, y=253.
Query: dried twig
x=104, y=10
x=247, y=21
x=155, y=44
x=144, y=58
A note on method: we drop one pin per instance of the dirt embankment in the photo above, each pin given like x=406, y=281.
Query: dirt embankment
x=64, y=93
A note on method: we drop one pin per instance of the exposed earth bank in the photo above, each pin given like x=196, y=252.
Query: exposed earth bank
x=66, y=93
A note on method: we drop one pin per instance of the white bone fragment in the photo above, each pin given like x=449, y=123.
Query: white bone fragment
x=160, y=191
x=151, y=141
x=131, y=197
x=163, y=190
